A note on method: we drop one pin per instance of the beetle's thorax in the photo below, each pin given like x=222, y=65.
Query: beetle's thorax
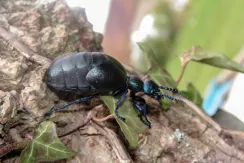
x=134, y=84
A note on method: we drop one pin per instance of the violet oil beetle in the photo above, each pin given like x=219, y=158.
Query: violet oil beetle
x=91, y=74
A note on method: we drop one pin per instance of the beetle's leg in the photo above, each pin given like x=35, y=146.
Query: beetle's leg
x=145, y=114
x=140, y=99
x=117, y=105
x=142, y=112
x=49, y=113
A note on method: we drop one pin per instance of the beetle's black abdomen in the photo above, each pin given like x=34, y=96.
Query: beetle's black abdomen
x=86, y=72
x=68, y=72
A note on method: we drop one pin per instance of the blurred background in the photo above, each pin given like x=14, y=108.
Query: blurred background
x=171, y=27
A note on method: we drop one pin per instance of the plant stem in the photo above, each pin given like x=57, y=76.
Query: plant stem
x=182, y=72
x=102, y=119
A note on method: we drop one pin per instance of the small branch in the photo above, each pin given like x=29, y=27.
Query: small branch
x=98, y=109
x=94, y=118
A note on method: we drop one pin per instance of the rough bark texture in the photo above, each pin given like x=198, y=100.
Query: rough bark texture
x=34, y=32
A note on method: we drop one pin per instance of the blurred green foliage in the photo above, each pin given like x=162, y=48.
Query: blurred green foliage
x=214, y=25
x=164, y=25
x=161, y=43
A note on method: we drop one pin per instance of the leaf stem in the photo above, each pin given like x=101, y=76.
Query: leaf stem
x=182, y=72
x=102, y=119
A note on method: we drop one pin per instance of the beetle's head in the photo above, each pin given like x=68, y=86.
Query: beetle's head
x=151, y=89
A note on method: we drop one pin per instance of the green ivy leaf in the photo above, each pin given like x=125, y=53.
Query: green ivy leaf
x=197, y=54
x=45, y=146
x=132, y=126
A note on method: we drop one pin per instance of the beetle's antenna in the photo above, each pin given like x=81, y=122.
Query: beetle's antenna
x=170, y=97
x=173, y=90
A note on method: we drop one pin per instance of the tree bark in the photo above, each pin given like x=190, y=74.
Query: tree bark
x=32, y=33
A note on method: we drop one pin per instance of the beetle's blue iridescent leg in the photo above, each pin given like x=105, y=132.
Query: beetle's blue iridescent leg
x=145, y=114
x=142, y=112
x=118, y=103
x=139, y=99
x=49, y=113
